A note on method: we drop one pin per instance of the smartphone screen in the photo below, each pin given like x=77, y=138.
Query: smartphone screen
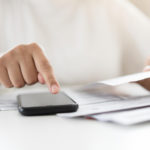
x=45, y=103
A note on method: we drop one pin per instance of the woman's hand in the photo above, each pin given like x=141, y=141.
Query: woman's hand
x=26, y=64
x=146, y=82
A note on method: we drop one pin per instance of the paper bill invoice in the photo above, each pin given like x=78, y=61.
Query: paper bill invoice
x=101, y=98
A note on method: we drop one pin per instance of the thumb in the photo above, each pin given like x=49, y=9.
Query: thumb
x=40, y=78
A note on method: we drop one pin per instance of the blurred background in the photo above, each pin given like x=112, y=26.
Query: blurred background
x=85, y=40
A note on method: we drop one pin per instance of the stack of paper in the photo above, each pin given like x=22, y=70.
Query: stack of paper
x=101, y=98
x=128, y=117
x=125, y=103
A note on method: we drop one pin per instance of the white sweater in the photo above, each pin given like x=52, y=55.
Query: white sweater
x=85, y=40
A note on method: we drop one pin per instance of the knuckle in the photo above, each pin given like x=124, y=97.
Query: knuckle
x=34, y=47
x=5, y=59
x=21, y=49
x=10, y=54
x=20, y=53
x=21, y=46
x=8, y=60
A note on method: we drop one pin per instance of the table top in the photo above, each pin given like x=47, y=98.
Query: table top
x=52, y=132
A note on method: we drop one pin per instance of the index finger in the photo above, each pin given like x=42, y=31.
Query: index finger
x=45, y=69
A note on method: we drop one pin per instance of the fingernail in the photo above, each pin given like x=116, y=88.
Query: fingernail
x=54, y=89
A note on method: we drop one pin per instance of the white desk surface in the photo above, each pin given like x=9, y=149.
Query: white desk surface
x=51, y=132
x=55, y=133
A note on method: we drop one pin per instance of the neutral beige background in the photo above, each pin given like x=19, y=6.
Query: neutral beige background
x=143, y=5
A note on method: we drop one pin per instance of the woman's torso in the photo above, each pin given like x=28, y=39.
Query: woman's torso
x=77, y=35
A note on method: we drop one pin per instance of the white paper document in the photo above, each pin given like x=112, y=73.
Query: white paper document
x=8, y=97
x=129, y=117
x=101, y=98
x=127, y=78
x=8, y=104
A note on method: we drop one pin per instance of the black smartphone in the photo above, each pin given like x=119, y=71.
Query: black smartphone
x=45, y=103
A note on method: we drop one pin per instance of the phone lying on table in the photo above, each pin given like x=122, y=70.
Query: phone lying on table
x=45, y=103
